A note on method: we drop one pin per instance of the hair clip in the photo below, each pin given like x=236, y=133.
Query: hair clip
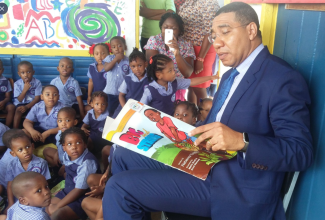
x=91, y=49
x=150, y=60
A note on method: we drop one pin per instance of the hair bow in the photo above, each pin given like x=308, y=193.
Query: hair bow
x=150, y=61
x=91, y=49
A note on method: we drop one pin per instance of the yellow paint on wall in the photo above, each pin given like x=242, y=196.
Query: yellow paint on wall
x=268, y=24
x=45, y=52
x=226, y=2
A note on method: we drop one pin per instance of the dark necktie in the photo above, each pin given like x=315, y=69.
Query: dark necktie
x=222, y=95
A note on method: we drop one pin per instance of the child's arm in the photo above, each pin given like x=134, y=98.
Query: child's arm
x=10, y=195
x=121, y=98
x=199, y=80
x=90, y=90
x=85, y=128
x=28, y=125
x=22, y=95
x=7, y=99
x=174, y=132
x=47, y=133
x=73, y=195
x=110, y=65
x=81, y=106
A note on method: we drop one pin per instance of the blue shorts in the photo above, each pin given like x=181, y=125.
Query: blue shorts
x=75, y=205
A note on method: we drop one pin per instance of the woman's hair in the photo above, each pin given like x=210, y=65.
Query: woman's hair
x=176, y=17
x=157, y=63
x=102, y=44
x=189, y=106
x=73, y=130
x=98, y=94
x=136, y=54
x=118, y=38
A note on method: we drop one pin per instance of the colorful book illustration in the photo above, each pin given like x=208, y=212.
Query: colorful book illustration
x=159, y=136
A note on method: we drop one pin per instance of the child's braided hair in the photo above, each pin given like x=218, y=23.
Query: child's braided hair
x=157, y=63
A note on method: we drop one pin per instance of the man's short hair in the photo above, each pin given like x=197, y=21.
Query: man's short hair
x=245, y=14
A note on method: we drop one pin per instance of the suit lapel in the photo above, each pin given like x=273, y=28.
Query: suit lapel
x=245, y=83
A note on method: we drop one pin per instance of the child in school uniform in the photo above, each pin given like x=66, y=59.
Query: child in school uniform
x=45, y=114
x=79, y=164
x=33, y=194
x=96, y=72
x=5, y=97
x=133, y=84
x=69, y=89
x=117, y=67
x=27, y=91
x=66, y=119
x=161, y=92
x=22, y=149
x=186, y=111
x=94, y=122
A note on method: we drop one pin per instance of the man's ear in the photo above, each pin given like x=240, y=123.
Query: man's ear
x=252, y=30
x=23, y=201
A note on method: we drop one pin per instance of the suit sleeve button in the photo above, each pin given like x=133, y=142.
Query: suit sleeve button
x=265, y=168
x=262, y=167
x=254, y=165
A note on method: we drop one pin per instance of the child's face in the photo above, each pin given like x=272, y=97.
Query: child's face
x=138, y=67
x=66, y=120
x=117, y=46
x=167, y=74
x=74, y=146
x=153, y=116
x=100, y=53
x=65, y=67
x=26, y=73
x=50, y=96
x=99, y=104
x=184, y=114
x=38, y=193
x=204, y=109
x=23, y=149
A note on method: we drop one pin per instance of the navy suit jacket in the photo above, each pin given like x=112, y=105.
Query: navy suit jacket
x=271, y=105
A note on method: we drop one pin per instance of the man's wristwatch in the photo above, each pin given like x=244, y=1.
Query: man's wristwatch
x=246, y=141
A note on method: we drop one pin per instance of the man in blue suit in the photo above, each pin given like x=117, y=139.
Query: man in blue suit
x=260, y=110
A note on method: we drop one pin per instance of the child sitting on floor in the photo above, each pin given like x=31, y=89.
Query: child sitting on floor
x=204, y=109
x=117, y=66
x=160, y=93
x=69, y=89
x=44, y=113
x=79, y=164
x=5, y=97
x=27, y=91
x=33, y=194
x=96, y=73
x=66, y=120
x=94, y=122
x=22, y=149
x=186, y=112
x=133, y=85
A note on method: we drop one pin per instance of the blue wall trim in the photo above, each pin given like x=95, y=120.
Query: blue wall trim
x=300, y=40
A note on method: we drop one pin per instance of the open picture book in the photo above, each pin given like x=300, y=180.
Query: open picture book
x=161, y=137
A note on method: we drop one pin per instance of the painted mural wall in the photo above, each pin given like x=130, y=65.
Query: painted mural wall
x=65, y=24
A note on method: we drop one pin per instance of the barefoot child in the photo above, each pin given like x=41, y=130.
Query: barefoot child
x=69, y=89
x=5, y=97
x=27, y=91
x=117, y=66
x=94, y=122
x=44, y=113
x=33, y=194
x=79, y=164
x=160, y=93
x=66, y=119
x=96, y=73
x=22, y=149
